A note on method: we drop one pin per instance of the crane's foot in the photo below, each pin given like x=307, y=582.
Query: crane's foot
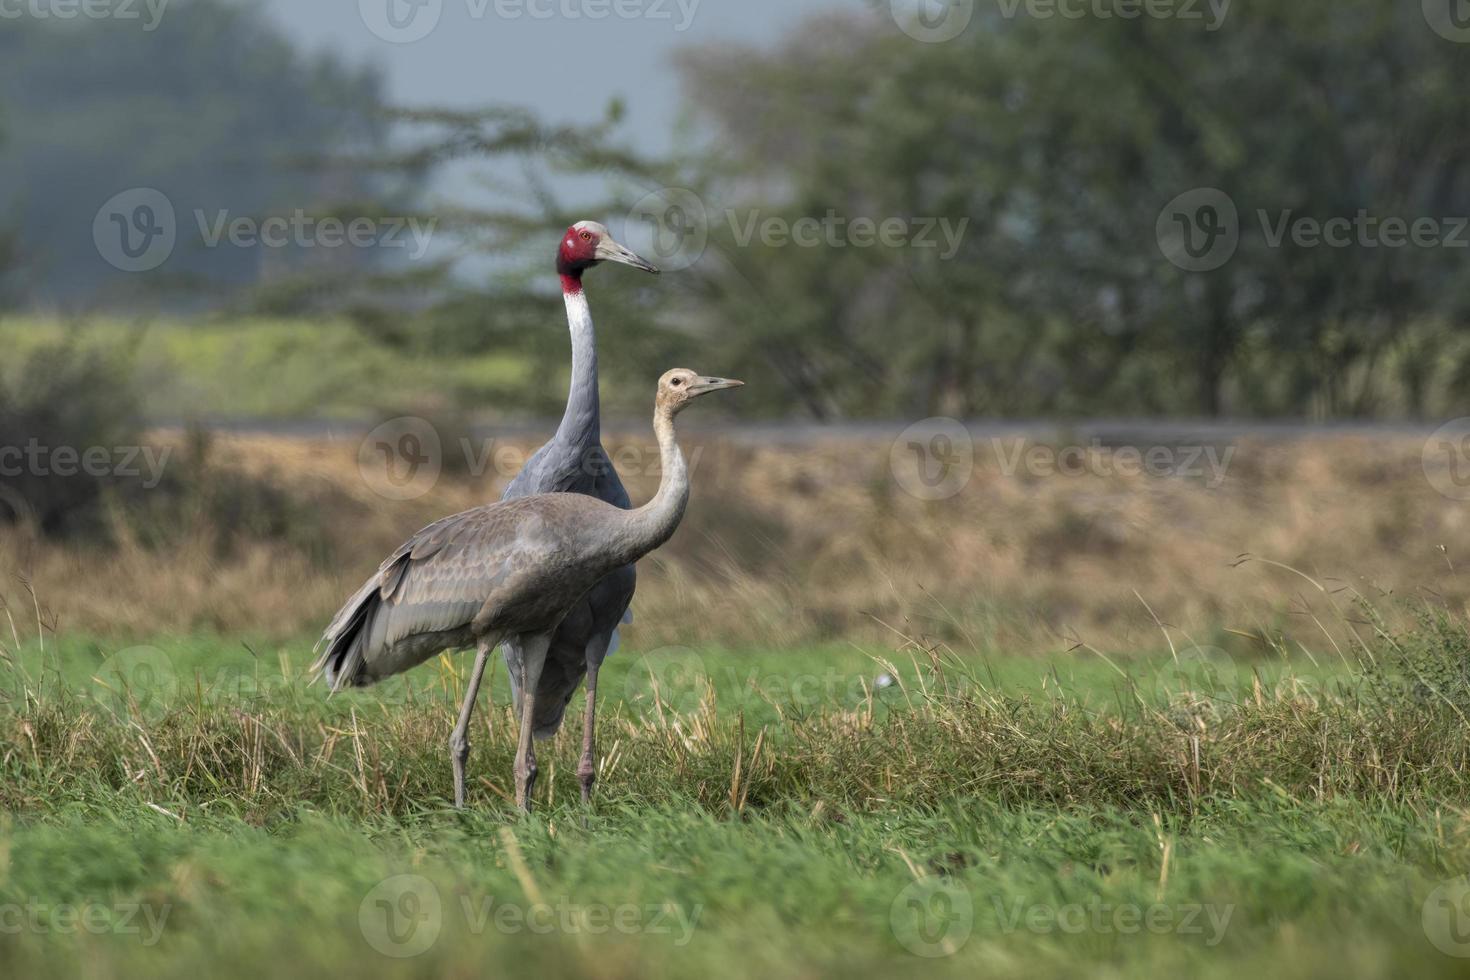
x=587, y=776
x=525, y=784
x=459, y=754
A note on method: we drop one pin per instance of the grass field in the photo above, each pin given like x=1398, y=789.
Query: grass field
x=856, y=731
x=192, y=806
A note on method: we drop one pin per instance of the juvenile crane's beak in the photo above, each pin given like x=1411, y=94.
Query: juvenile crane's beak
x=610, y=251
x=706, y=385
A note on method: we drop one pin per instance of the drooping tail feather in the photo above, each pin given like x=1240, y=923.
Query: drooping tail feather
x=342, y=645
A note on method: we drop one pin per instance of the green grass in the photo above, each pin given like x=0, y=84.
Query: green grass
x=760, y=814
x=271, y=368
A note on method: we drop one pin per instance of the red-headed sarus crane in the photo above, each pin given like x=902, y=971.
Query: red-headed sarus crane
x=393, y=621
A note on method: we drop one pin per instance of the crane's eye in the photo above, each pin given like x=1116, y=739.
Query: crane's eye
x=586, y=236
x=677, y=382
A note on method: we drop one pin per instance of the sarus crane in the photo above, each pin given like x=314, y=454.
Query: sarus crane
x=508, y=571
x=575, y=462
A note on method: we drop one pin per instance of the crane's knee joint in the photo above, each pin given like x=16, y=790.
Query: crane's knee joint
x=459, y=746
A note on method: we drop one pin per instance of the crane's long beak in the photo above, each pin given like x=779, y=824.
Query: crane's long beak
x=706, y=385
x=610, y=251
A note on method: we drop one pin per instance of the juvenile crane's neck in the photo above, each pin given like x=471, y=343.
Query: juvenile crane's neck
x=581, y=422
x=649, y=526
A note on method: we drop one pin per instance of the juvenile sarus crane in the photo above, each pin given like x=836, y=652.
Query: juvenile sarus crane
x=508, y=571
x=575, y=462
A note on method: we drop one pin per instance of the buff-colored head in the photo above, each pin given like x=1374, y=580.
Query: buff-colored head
x=679, y=387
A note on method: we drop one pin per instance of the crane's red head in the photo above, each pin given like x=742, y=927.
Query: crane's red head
x=587, y=243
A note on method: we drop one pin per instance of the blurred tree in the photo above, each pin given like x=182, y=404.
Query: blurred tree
x=213, y=108
x=1062, y=140
x=1036, y=167
x=1040, y=170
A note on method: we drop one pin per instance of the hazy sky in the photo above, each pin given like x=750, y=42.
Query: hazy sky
x=551, y=55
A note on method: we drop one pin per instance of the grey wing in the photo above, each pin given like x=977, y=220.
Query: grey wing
x=422, y=600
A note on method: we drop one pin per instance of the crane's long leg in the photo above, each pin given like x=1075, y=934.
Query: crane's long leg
x=533, y=653
x=459, y=740
x=587, y=768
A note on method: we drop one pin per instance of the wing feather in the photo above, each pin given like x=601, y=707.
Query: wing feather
x=432, y=586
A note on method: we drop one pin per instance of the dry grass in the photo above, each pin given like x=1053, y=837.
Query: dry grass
x=788, y=546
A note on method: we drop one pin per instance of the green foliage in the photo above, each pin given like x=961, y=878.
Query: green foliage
x=1313, y=828
x=1048, y=146
x=1051, y=146
x=1062, y=140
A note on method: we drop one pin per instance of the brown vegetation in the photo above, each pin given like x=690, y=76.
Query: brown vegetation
x=791, y=545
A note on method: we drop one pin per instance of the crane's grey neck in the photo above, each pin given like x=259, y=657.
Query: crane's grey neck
x=649, y=526
x=581, y=423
